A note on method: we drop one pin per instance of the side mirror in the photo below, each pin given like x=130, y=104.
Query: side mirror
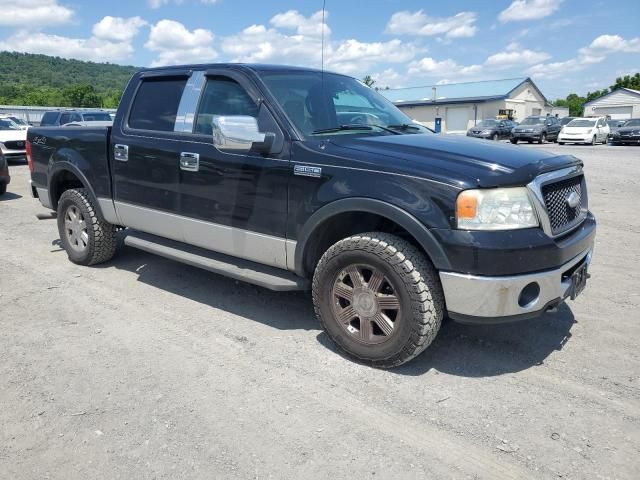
x=240, y=134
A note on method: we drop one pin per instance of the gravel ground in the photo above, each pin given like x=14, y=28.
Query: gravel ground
x=145, y=368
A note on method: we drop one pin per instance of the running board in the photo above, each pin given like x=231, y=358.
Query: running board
x=238, y=269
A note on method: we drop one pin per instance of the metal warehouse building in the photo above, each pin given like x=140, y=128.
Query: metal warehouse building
x=620, y=104
x=461, y=105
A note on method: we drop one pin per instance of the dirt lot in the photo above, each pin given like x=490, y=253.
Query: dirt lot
x=145, y=368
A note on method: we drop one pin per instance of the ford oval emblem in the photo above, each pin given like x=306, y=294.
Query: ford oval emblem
x=573, y=200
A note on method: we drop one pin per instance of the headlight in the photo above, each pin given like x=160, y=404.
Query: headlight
x=485, y=132
x=495, y=209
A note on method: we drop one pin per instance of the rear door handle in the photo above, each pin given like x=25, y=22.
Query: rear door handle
x=189, y=162
x=121, y=152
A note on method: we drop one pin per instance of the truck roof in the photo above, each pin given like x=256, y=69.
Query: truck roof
x=249, y=66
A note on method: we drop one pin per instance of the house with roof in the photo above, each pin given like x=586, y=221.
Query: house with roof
x=621, y=104
x=462, y=105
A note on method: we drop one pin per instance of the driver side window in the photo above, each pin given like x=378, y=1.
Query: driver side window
x=223, y=96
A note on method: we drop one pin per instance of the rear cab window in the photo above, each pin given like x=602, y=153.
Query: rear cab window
x=48, y=119
x=156, y=102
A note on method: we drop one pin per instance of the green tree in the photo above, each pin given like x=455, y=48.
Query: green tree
x=368, y=81
x=81, y=96
x=628, y=81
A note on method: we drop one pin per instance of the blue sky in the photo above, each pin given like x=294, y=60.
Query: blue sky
x=566, y=46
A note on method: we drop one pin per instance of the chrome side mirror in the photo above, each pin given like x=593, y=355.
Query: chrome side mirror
x=240, y=134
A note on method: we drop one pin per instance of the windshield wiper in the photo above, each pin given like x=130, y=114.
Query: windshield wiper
x=340, y=128
x=404, y=126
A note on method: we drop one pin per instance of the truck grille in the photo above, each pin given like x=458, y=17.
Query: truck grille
x=556, y=195
x=15, y=145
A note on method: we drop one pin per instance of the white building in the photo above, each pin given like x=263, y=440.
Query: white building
x=620, y=104
x=461, y=105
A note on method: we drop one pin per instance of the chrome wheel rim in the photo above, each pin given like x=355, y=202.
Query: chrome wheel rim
x=75, y=227
x=366, y=304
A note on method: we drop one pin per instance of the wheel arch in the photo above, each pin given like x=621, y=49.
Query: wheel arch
x=65, y=175
x=317, y=233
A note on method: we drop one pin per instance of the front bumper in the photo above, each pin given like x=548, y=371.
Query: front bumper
x=629, y=139
x=575, y=138
x=485, y=299
x=526, y=135
x=486, y=136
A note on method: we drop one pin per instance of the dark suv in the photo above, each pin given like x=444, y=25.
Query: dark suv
x=537, y=129
x=62, y=117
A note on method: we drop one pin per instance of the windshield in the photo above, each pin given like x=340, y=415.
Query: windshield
x=320, y=106
x=6, y=124
x=18, y=121
x=96, y=117
x=632, y=123
x=487, y=123
x=581, y=123
x=614, y=123
x=532, y=121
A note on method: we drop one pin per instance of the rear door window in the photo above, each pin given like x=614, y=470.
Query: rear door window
x=49, y=118
x=156, y=104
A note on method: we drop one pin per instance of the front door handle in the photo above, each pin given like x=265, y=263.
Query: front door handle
x=189, y=162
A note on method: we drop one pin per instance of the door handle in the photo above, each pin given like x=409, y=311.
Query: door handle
x=189, y=162
x=121, y=152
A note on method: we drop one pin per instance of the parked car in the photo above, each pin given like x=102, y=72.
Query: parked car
x=536, y=129
x=62, y=117
x=614, y=125
x=491, y=129
x=18, y=121
x=564, y=120
x=12, y=140
x=629, y=133
x=389, y=225
x=584, y=130
x=5, y=178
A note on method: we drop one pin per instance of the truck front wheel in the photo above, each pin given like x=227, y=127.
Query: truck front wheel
x=86, y=238
x=378, y=298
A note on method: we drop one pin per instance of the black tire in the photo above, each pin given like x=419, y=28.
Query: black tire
x=543, y=138
x=101, y=239
x=529, y=141
x=514, y=141
x=3, y=188
x=594, y=140
x=413, y=281
x=560, y=143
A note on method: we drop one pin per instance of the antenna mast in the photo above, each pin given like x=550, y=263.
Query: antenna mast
x=322, y=27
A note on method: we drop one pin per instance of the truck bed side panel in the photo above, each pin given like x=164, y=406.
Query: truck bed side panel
x=83, y=151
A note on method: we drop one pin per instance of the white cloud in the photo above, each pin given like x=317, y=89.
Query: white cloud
x=175, y=44
x=514, y=54
x=352, y=56
x=595, y=52
x=303, y=46
x=388, y=78
x=93, y=49
x=160, y=3
x=433, y=68
x=28, y=14
x=605, y=44
x=117, y=29
x=418, y=23
x=520, y=10
x=292, y=19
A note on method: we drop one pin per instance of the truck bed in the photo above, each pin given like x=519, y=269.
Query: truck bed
x=83, y=150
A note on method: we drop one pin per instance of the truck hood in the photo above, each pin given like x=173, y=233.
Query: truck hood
x=456, y=160
x=9, y=135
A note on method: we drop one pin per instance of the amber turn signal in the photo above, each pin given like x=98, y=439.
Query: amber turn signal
x=467, y=205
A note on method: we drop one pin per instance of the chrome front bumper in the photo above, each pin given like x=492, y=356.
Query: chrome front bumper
x=480, y=299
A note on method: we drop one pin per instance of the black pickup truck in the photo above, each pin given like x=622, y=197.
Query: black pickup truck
x=297, y=179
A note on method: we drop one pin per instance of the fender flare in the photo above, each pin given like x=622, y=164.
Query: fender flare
x=59, y=167
x=368, y=205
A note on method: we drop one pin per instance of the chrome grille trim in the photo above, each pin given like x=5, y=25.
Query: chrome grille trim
x=535, y=187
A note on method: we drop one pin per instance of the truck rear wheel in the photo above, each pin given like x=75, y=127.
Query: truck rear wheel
x=87, y=239
x=378, y=298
